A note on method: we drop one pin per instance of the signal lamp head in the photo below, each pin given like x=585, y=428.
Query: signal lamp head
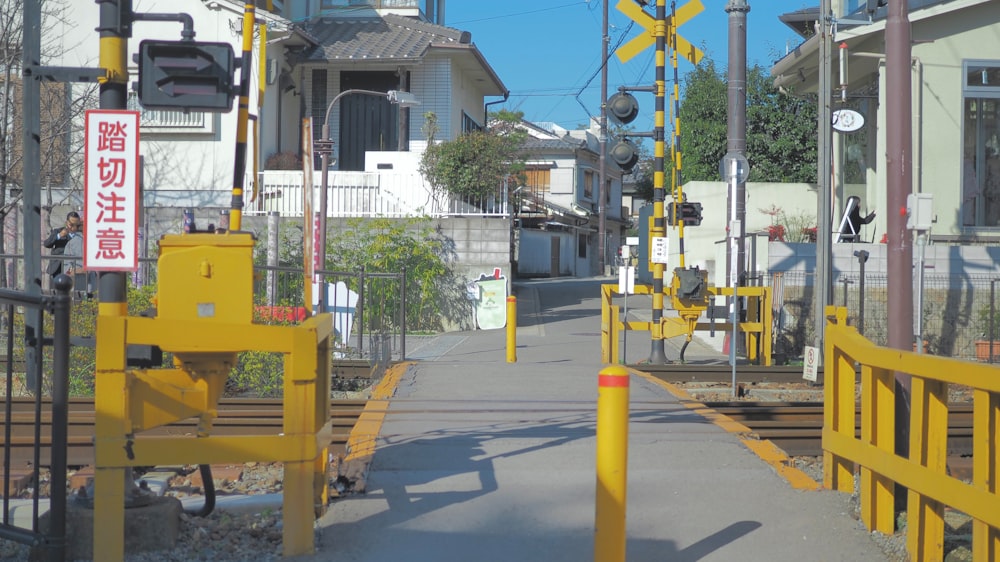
x=623, y=108
x=625, y=154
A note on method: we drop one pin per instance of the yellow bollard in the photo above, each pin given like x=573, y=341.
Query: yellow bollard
x=512, y=329
x=612, y=464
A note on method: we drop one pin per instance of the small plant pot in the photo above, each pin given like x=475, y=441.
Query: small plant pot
x=983, y=350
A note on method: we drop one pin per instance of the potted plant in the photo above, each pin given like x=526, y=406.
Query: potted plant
x=984, y=321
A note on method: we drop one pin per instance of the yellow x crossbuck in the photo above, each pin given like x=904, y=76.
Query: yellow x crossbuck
x=648, y=37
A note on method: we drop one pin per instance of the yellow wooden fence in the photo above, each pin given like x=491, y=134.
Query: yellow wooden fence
x=923, y=475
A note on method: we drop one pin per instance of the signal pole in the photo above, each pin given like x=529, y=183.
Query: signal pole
x=603, y=147
x=657, y=355
x=736, y=142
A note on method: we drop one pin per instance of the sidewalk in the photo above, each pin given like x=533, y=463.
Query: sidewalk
x=483, y=460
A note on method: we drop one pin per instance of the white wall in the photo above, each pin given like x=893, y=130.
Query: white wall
x=701, y=242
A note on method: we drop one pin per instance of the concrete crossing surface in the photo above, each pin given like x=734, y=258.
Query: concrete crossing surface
x=483, y=460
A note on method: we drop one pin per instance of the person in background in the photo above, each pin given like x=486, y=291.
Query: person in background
x=59, y=238
x=857, y=220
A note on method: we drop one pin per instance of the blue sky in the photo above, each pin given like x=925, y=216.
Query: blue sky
x=546, y=51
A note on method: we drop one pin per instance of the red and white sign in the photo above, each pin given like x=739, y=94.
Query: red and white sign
x=111, y=190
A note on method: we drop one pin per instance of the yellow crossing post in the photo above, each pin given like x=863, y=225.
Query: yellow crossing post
x=205, y=318
x=512, y=329
x=612, y=464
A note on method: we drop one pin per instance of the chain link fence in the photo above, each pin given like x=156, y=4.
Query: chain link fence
x=956, y=311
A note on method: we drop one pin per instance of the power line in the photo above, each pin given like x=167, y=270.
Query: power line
x=516, y=14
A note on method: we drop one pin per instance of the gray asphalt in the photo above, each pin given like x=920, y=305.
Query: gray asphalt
x=482, y=460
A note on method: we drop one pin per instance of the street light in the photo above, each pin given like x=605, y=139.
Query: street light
x=397, y=97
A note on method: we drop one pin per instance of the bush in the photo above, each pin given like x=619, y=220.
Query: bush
x=283, y=161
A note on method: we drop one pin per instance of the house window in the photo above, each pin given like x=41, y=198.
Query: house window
x=469, y=124
x=169, y=121
x=318, y=107
x=588, y=184
x=581, y=245
x=607, y=192
x=537, y=182
x=980, y=194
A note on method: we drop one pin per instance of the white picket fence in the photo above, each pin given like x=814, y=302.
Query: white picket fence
x=368, y=194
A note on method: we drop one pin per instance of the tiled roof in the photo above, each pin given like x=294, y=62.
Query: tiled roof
x=565, y=143
x=390, y=38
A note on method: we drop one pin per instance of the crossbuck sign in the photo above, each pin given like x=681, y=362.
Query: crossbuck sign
x=111, y=190
x=648, y=37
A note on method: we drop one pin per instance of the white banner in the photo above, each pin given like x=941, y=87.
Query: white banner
x=111, y=190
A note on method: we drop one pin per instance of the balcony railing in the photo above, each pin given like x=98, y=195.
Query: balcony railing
x=369, y=194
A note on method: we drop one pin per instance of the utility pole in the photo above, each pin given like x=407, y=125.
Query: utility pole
x=736, y=136
x=31, y=161
x=823, y=282
x=602, y=175
x=899, y=184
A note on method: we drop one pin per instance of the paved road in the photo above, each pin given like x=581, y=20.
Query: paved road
x=483, y=460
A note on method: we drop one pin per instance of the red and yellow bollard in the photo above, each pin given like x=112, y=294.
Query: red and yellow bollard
x=612, y=464
x=512, y=329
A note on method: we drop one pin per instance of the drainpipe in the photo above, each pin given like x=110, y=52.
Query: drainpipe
x=486, y=108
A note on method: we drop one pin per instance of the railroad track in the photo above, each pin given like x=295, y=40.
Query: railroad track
x=796, y=427
x=237, y=416
x=751, y=374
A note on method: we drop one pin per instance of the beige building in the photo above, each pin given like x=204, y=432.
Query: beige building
x=955, y=108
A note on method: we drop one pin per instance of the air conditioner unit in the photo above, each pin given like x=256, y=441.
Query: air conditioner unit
x=272, y=71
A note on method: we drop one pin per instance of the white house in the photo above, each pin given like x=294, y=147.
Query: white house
x=332, y=46
x=558, y=209
x=188, y=157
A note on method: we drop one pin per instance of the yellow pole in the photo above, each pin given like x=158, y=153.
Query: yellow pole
x=612, y=464
x=243, y=116
x=110, y=482
x=512, y=329
x=615, y=335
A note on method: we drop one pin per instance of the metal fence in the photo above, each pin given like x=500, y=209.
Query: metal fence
x=368, y=307
x=370, y=194
x=372, y=327
x=957, y=311
x=43, y=376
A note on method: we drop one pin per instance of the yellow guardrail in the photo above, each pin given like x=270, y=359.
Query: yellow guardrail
x=757, y=327
x=923, y=475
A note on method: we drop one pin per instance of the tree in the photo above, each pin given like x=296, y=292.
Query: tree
x=61, y=109
x=433, y=290
x=781, y=129
x=475, y=164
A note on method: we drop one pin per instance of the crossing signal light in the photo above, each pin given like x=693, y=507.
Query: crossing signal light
x=625, y=154
x=623, y=108
x=688, y=212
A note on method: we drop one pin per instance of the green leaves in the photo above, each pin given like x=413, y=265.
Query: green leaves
x=383, y=245
x=477, y=162
x=780, y=128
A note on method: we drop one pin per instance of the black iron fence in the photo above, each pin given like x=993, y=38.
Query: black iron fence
x=37, y=368
x=368, y=307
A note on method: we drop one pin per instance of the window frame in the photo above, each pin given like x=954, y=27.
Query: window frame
x=978, y=93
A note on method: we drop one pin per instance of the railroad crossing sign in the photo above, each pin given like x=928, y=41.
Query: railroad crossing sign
x=648, y=37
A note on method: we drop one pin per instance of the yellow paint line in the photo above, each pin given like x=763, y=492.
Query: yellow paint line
x=361, y=442
x=766, y=450
x=774, y=456
x=721, y=420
